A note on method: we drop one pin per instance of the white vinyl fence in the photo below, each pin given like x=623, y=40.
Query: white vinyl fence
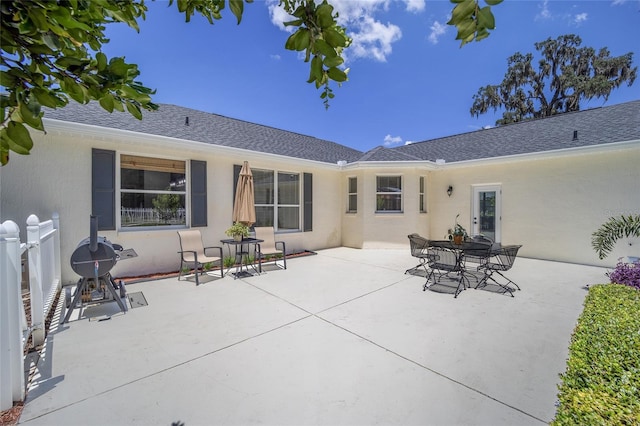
x=43, y=253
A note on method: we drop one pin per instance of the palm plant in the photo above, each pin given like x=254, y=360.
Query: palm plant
x=604, y=239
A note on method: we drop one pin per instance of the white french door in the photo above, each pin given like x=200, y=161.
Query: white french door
x=487, y=211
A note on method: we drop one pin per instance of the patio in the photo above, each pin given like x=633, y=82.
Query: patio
x=342, y=337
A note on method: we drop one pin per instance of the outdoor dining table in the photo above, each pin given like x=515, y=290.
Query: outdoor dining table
x=242, y=254
x=476, y=249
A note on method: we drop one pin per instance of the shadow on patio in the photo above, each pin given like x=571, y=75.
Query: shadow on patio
x=344, y=337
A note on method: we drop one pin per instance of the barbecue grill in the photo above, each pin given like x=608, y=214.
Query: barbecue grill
x=93, y=259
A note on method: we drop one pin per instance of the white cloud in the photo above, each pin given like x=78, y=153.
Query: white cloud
x=408, y=142
x=275, y=57
x=437, y=30
x=415, y=5
x=390, y=141
x=580, y=18
x=372, y=38
x=544, y=11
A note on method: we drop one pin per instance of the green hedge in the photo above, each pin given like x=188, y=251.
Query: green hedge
x=602, y=383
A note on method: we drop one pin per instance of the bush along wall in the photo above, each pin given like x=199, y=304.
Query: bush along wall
x=601, y=385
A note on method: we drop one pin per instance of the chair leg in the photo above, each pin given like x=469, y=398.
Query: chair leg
x=508, y=280
x=506, y=287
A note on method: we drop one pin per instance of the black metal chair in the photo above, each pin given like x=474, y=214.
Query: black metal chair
x=480, y=257
x=443, y=261
x=419, y=246
x=503, y=262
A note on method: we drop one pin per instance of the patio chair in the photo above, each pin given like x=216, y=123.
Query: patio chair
x=443, y=261
x=503, y=262
x=192, y=251
x=269, y=247
x=419, y=249
x=480, y=257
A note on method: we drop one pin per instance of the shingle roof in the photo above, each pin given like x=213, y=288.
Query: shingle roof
x=598, y=126
x=170, y=121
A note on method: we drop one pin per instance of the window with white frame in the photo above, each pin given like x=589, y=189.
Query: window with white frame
x=152, y=191
x=277, y=199
x=422, y=193
x=352, y=196
x=388, y=193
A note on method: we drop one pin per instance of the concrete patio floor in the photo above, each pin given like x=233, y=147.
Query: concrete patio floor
x=343, y=337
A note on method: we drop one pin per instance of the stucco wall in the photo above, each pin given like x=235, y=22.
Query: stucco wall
x=387, y=230
x=550, y=205
x=56, y=177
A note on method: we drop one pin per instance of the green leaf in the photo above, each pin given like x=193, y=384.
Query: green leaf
x=76, y=91
x=336, y=74
x=106, y=102
x=31, y=115
x=118, y=67
x=462, y=11
x=47, y=98
x=7, y=80
x=237, y=7
x=295, y=23
x=324, y=12
x=486, y=19
x=315, y=69
x=19, y=138
x=134, y=110
x=101, y=59
x=333, y=62
x=324, y=48
x=303, y=39
x=334, y=38
x=493, y=2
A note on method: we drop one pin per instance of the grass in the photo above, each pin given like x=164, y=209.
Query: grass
x=601, y=385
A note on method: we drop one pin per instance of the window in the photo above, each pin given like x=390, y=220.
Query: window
x=352, y=201
x=277, y=199
x=423, y=200
x=152, y=191
x=388, y=193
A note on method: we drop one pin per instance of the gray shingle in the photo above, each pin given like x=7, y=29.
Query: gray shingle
x=170, y=120
x=596, y=126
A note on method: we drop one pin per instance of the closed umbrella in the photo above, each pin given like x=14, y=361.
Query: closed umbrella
x=244, y=209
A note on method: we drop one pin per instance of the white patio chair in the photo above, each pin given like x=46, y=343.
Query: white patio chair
x=192, y=251
x=270, y=248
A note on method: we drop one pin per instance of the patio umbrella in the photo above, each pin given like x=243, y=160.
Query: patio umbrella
x=244, y=209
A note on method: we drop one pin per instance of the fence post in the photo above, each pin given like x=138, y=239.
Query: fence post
x=35, y=280
x=56, y=247
x=11, y=349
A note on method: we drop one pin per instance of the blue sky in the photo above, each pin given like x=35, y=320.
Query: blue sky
x=409, y=79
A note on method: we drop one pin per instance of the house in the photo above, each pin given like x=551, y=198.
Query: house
x=546, y=184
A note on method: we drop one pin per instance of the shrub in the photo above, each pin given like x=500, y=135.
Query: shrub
x=601, y=385
x=627, y=274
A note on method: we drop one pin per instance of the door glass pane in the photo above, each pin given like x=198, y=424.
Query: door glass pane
x=487, y=200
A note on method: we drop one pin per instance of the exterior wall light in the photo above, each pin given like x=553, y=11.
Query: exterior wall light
x=450, y=190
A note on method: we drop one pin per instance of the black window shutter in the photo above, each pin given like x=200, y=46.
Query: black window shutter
x=308, y=202
x=103, y=191
x=198, y=193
